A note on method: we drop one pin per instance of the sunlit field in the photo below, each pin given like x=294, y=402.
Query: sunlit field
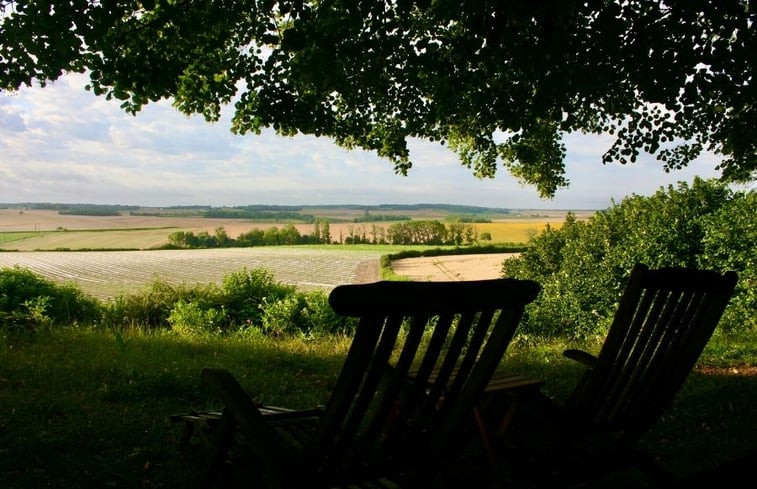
x=516, y=231
x=47, y=230
x=104, y=274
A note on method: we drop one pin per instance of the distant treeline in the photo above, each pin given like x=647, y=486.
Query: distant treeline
x=301, y=213
x=259, y=215
x=450, y=208
x=89, y=212
x=367, y=217
x=75, y=209
x=428, y=232
x=278, y=214
x=467, y=218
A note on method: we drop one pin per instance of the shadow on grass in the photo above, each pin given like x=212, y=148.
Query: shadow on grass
x=85, y=409
x=81, y=409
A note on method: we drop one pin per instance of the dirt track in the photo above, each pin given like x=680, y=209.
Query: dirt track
x=456, y=267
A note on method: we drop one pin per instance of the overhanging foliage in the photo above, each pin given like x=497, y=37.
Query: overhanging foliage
x=495, y=81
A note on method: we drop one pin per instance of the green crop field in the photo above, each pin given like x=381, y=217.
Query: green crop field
x=6, y=238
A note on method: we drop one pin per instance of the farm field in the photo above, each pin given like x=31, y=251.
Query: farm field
x=452, y=267
x=48, y=230
x=105, y=274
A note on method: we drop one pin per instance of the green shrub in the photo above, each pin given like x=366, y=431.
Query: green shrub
x=152, y=307
x=190, y=319
x=583, y=266
x=729, y=241
x=245, y=290
x=247, y=300
x=322, y=319
x=283, y=315
x=303, y=313
x=29, y=301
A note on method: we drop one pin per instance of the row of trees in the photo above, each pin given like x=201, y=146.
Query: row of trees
x=273, y=236
x=429, y=232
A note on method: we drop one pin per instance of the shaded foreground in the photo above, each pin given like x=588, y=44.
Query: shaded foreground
x=83, y=408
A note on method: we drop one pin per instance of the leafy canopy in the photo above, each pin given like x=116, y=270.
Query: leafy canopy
x=495, y=81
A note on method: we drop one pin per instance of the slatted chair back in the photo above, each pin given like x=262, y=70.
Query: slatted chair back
x=663, y=322
x=451, y=334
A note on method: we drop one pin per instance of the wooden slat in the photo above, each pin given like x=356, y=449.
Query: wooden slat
x=375, y=419
x=662, y=324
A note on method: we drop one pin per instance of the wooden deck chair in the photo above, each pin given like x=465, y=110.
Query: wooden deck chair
x=663, y=322
x=376, y=423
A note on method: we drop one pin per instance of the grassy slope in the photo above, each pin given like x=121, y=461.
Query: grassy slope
x=82, y=408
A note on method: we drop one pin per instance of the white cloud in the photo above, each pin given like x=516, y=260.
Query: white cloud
x=63, y=144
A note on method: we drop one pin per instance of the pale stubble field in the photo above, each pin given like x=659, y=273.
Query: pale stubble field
x=105, y=274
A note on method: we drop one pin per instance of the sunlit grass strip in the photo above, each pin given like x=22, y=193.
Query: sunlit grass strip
x=15, y=236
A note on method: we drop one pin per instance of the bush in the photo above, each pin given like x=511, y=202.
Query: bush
x=306, y=313
x=322, y=319
x=29, y=301
x=247, y=300
x=245, y=291
x=283, y=316
x=583, y=266
x=190, y=319
x=152, y=307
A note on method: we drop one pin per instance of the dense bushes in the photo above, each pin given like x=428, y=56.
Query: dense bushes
x=583, y=266
x=28, y=301
x=246, y=301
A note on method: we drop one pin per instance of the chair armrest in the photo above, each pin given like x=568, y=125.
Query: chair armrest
x=316, y=412
x=582, y=357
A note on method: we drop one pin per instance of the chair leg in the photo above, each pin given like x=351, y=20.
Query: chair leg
x=483, y=433
x=219, y=449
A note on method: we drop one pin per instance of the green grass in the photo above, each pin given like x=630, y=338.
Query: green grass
x=81, y=408
x=382, y=248
x=88, y=408
x=13, y=236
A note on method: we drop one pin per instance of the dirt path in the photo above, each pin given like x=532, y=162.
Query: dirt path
x=455, y=267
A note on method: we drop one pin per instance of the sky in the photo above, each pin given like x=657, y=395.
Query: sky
x=63, y=144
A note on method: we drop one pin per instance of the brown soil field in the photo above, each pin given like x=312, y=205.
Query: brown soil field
x=456, y=267
x=140, y=232
x=49, y=220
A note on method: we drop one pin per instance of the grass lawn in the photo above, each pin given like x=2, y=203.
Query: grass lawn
x=84, y=408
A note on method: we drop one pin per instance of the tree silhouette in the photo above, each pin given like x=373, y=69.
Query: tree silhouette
x=495, y=81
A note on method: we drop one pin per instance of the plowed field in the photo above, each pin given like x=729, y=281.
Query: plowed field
x=105, y=274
